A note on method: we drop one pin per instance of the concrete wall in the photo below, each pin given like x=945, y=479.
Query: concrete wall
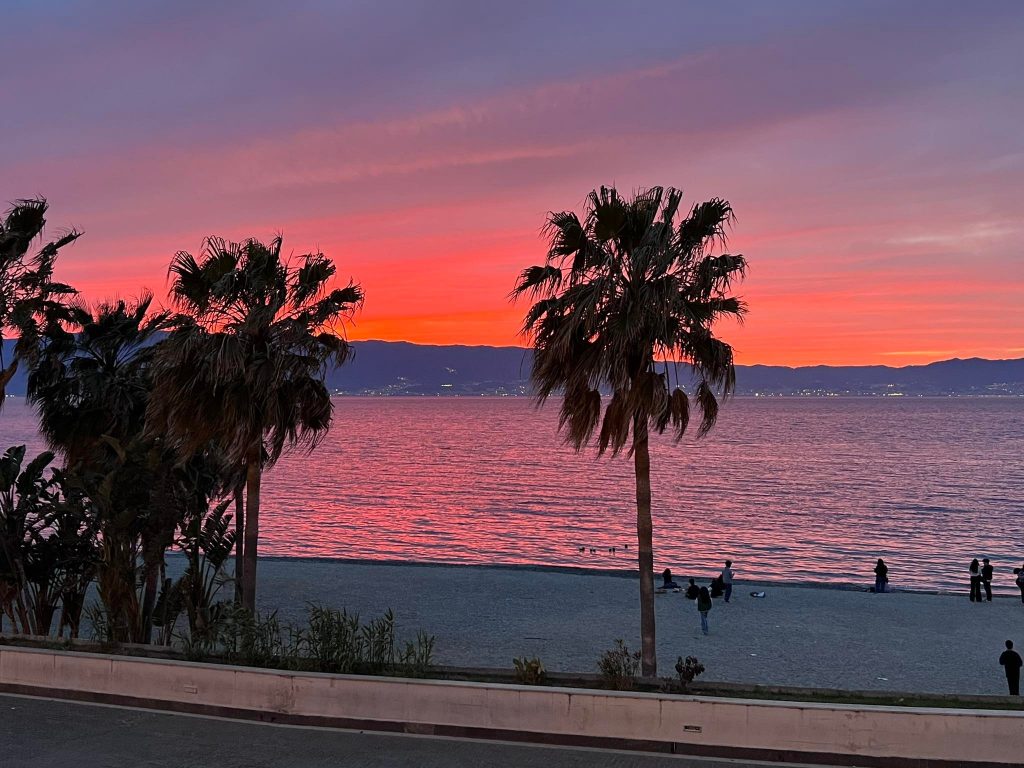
x=882, y=734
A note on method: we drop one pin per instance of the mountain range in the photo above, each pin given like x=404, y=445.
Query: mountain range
x=401, y=368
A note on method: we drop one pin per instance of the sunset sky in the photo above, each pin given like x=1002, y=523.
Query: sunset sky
x=873, y=151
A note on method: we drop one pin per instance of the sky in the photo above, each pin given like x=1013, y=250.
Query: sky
x=873, y=151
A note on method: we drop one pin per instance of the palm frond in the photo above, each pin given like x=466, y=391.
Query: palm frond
x=626, y=281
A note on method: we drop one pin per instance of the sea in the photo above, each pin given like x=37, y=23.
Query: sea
x=797, y=490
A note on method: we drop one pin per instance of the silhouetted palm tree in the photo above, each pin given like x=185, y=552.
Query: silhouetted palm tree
x=27, y=291
x=627, y=296
x=245, y=368
x=90, y=383
x=90, y=378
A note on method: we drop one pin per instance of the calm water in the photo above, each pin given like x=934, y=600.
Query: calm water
x=790, y=489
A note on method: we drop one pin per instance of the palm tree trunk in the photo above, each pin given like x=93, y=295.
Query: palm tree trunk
x=252, y=529
x=645, y=545
x=239, y=542
x=6, y=374
x=152, y=582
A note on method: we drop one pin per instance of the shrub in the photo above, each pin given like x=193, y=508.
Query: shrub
x=330, y=641
x=418, y=656
x=619, y=667
x=256, y=641
x=529, y=671
x=688, y=669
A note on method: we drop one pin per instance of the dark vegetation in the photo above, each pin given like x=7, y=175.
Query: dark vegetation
x=160, y=424
x=626, y=303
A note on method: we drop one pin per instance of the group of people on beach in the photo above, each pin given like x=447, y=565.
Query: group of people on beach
x=980, y=579
x=719, y=586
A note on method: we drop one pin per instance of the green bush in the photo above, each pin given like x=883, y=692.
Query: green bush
x=687, y=669
x=418, y=656
x=529, y=671
x=619, y=667
x=329, y=641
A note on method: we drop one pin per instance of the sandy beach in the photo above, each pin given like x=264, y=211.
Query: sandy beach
x=799, y=636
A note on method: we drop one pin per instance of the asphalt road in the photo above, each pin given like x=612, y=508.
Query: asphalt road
x=46, y=733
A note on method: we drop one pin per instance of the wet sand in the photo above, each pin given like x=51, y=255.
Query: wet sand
x=797, y=636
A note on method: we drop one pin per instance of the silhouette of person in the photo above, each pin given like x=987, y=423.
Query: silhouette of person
x=1011, y=663
x=975, y=581
x=667, y=576
x=692, y=591
x=726, y=578
x=703, y=606
x=1020, y=581
x=881, y=575
x=986, y=580
x=716, y=586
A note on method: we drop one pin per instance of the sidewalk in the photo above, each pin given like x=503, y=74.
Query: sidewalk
x=44, y=733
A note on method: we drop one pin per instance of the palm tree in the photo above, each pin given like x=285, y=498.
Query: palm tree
x=90, y=383
x=245, y=367
x=90, y=378
x=27, y=290
x=627, y=296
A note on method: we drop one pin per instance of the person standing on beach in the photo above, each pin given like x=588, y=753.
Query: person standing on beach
x=727, y=580
x=986, y=580
x=1020, y=581
x=975, y=581
x=881, y=575
x=692, y=591
x=1011, y=663
x=703, y=606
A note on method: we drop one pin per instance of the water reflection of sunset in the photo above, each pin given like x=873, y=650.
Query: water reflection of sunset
x=791, y=489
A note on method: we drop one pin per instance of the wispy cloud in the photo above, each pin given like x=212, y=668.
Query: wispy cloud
x=875, y=169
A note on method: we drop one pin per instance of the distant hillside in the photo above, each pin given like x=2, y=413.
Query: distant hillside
x=400, y=368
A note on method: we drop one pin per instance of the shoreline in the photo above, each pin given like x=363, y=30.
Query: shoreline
x=609, y=572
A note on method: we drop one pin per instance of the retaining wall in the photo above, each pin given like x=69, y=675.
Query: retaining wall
x=804, y=732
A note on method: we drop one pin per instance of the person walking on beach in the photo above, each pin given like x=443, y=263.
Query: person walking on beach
x=1020, y=581
x=881, y=575
x=986, y=580
x=1011, y=663
x=692, y=591
x=727, y=580
x=975, y=581
x=703, y=606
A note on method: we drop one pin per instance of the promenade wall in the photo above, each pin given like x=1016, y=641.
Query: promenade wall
x=755, y=729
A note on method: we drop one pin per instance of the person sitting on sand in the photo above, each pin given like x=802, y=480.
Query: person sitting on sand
x=667, y=576
x=693, y=590
x=1011, y=662
x=975, y=572
x=717, y=587
x=703, y=606
x=881, y=575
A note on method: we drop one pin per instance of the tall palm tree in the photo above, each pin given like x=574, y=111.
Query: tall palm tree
x=27, y=289
x=625, y=298
x=245, y=368
x=90, y=382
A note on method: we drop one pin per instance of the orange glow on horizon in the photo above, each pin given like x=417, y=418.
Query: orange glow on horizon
x=880, y=215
